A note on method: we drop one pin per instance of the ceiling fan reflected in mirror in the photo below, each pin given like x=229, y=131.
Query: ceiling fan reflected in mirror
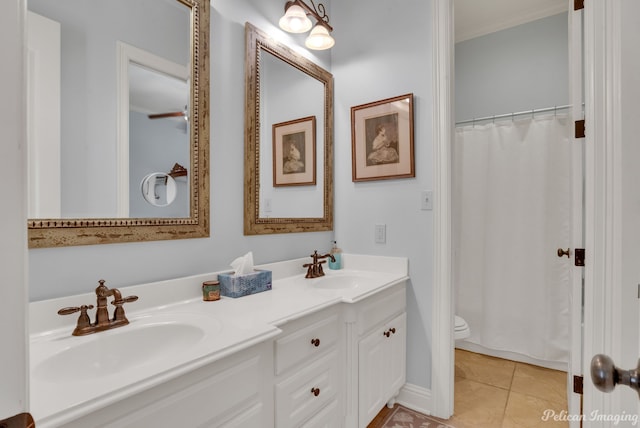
x=174, y=114
x=170, y=114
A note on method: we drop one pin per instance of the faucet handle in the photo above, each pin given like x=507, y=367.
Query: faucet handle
x=124, y=300
x=118, y=314
x=73, y=309
x=83, y=323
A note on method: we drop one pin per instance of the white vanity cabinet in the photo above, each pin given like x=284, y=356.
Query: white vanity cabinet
x=380, y=346
x=308, y=365
x=325, y=353
x=232, y=392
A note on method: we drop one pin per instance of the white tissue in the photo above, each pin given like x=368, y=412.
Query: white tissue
x=243, y=265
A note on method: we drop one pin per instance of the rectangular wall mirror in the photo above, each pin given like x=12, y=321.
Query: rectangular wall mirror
x=288, y=139
x=117, y=121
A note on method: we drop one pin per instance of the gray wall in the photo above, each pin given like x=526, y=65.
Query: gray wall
x=513, y=70
x=155, y=146
x=396, y=60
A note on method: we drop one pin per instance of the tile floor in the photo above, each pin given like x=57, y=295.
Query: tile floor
x=495, y=393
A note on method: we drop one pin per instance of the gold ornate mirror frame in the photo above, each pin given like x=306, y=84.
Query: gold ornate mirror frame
x=257, y=41
x=87, y=231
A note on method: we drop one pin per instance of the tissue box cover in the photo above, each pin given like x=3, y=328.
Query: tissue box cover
x=243, y=285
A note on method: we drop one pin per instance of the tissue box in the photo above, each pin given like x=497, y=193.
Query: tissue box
x=243, y=285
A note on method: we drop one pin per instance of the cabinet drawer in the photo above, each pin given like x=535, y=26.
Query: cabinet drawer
x=306, y=342
x=304, y=393
x=380, y=308
x=329, y=417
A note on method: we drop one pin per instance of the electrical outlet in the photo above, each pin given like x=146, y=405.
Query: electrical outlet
x=380, y=233
x=426, y=200
x=267, y=205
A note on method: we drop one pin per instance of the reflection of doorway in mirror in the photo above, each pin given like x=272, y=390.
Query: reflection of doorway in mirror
x=147, y=85
x=43, y=116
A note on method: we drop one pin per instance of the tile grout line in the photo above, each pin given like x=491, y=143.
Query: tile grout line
x=506, y=404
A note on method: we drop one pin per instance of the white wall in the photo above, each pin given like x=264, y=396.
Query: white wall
x=512, y=70
x=73, y=270
x=13, y=284
x=383, y=49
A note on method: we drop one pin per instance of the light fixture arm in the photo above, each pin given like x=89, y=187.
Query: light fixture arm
x=319, y=12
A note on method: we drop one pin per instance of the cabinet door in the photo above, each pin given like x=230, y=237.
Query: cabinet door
x=397, y=354
x=382, y=367
x=371, y=375
x=231, y=392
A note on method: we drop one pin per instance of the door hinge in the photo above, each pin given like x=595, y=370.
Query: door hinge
x=579, y=256
x=578, y=4
x=580, y=128
x=578, y=384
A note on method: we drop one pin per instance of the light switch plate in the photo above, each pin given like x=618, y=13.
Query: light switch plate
x=426, y=200
x=380, y=233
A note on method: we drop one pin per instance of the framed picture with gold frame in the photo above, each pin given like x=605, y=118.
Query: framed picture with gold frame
x=294, y=152
x=382, y=139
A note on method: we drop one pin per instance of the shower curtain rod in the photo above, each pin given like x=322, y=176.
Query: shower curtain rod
x=512, y=115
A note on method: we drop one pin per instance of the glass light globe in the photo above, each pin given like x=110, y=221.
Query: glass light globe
x=295, y=20
x=319, y=38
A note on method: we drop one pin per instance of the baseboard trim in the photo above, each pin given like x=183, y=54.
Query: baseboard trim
x=415, y=398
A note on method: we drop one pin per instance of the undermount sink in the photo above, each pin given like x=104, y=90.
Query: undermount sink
x=142, y=342
x=340, y=282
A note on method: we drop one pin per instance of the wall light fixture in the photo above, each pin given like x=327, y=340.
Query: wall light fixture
x=296, y=20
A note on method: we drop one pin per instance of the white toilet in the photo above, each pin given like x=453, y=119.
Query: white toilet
x=461, y=329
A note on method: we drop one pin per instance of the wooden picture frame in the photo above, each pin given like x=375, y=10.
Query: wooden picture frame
x=382, y=139
x=294, y=152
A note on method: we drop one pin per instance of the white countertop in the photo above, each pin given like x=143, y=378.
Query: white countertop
x=239, y=323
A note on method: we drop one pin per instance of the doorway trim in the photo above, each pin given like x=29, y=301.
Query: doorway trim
x=442, y=374
x=603, y=287
x=442, y=354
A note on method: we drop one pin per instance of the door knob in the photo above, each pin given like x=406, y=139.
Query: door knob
x=562, y=252
x=605, y=375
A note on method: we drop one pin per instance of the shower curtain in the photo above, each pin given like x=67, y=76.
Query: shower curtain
x=512, y=210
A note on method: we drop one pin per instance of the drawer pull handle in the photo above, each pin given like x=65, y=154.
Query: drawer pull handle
x=387, y=333
x=315, y=342
x=315, y=391
x=392, y=330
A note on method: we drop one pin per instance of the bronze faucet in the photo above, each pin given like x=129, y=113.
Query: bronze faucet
x=314, y=270
x=84, y=325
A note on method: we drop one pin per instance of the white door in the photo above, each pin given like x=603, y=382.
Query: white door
x=43, y=116
x=612, y=202
x=13, y=252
